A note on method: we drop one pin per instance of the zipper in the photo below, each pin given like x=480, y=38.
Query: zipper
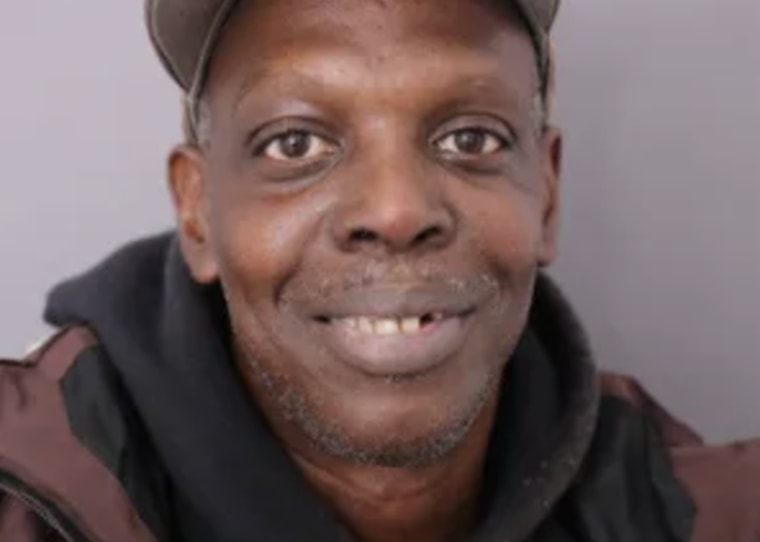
x=39, y=510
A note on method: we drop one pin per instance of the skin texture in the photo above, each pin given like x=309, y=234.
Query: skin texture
x=362, y=151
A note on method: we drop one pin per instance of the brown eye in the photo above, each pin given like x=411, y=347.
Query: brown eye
x=297, y=145
x=471, y=141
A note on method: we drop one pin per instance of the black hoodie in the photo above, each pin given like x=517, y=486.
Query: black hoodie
x=161, y=404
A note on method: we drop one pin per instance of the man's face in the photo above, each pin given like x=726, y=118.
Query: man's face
x=375, y=194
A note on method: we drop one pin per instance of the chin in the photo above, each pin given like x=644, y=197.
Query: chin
x=397, y=426
x=396, y=421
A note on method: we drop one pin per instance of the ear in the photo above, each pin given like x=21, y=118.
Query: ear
x=551, y=152
x=187, y=184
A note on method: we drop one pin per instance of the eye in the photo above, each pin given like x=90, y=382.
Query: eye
x=297, y=145
x=471, y=141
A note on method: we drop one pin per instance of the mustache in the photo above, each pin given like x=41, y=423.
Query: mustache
x=391, y=276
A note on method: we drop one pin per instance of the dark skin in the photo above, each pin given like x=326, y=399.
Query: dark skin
x=361, y=161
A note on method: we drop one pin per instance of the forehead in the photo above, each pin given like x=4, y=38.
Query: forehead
x=307, y=45
x=466, y=18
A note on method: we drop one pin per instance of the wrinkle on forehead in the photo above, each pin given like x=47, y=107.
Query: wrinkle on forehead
x=272, y=38
x=260, y=31
x=383, y=73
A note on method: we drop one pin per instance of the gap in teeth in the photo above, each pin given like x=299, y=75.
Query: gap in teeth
x=391, y=326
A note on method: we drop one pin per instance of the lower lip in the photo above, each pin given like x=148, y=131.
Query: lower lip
x=403, y=354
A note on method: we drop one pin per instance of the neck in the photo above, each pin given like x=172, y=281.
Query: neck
x=436, y=503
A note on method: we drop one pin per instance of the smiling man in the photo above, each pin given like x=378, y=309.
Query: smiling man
x=348, y=336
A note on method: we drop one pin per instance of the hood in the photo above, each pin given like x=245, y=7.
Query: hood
x=168, y=339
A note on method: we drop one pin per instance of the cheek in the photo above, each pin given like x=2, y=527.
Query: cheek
x=509, y=228
x=260, y=242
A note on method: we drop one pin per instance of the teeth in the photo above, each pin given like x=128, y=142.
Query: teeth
x=410, y=325
x=384, y=326
x=387, y=326
x=353, y=323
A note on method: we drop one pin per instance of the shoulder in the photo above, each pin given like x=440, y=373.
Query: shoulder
x=30, y=387
x=47, y=461
x=56, y=353
x=722, y=480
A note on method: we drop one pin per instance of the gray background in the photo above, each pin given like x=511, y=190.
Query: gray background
x=659, y=99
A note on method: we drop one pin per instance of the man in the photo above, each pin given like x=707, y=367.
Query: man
x=348, y=337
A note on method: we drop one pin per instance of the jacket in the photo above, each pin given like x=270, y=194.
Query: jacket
x=130, y=425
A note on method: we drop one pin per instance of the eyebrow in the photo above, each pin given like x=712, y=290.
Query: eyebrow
x=465, y=86
x=291, y=79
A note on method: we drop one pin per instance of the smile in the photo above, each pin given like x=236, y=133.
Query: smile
x=389, y=326
x=390, y=346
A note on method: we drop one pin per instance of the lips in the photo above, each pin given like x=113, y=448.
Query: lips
x=396, y=332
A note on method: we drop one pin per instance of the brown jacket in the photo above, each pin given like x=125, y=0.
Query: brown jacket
x=54, y=489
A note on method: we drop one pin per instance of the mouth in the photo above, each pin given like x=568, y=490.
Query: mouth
x=395, y=346
x=386, y=326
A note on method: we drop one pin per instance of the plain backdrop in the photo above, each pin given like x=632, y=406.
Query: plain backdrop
x=660, y=249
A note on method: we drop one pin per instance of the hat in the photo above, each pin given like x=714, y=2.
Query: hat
x=185, y=33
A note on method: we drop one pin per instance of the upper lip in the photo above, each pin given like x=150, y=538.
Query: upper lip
x=396, y=301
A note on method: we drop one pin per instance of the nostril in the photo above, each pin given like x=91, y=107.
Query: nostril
x=427, y=234
x=363, y=235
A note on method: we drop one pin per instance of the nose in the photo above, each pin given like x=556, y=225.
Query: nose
x=394, y=207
